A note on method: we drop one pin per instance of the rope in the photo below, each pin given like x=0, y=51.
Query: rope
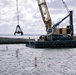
x=17, y=12
x=65, y=6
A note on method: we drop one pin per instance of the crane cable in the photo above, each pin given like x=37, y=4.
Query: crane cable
x=65, y=6
x=17, y=11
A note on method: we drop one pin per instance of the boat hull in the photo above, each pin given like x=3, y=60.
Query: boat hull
x=53, y=44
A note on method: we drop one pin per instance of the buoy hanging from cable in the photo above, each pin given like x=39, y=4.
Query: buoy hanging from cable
x=18, y=29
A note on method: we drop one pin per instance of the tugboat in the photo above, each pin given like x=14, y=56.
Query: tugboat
x=55, y=37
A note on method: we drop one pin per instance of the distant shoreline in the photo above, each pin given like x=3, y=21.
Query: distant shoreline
x=22, y=35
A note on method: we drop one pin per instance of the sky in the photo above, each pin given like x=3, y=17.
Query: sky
x=30, y=18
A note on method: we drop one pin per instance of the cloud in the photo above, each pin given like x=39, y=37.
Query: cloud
x=30, y=17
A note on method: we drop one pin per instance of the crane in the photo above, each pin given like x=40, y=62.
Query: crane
x=45, y=13
x=48, y=22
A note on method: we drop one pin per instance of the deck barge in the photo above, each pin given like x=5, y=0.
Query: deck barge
x=53, y=44
x=62, y=43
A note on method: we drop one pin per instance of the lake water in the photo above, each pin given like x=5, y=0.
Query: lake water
x=20, y=60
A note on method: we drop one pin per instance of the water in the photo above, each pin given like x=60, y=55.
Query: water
x=49, y=61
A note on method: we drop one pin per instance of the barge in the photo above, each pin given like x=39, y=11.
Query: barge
x=53, y=44
x=55, y=37
x=57, y=42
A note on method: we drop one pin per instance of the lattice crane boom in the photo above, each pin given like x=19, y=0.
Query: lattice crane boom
x=45, y=13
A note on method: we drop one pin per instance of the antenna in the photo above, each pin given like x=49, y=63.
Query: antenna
x=65, y=6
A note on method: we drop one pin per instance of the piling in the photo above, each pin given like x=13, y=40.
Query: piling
x=35, y=61
x=17, y=53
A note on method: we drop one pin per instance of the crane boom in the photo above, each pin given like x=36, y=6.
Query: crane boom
x=45, y=13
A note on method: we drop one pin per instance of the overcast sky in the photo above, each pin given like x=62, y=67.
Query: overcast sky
x=30, y=17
